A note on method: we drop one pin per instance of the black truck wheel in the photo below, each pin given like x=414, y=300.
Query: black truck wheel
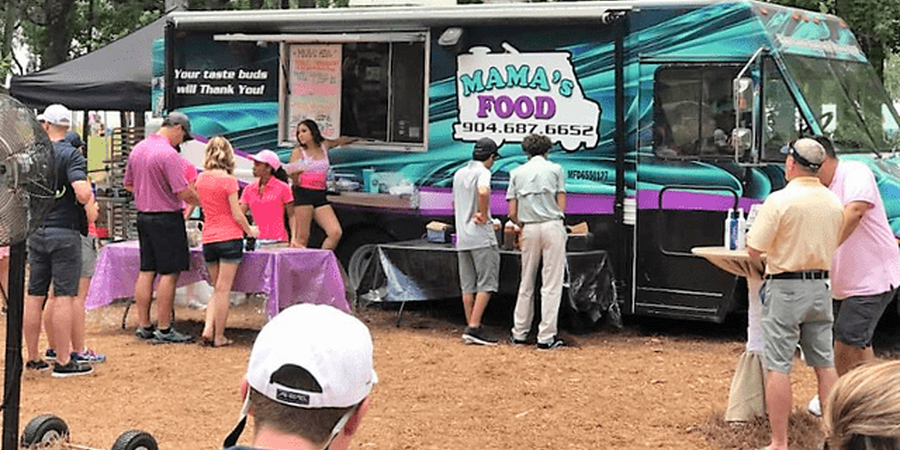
x=43, y=430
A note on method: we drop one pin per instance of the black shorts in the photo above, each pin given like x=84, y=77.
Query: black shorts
x=314, y=197
x=163, y=241
x=225, y=251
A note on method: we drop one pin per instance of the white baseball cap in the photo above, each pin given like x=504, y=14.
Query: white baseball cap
x=267, y=157
x=56, y=114
x=311, y=356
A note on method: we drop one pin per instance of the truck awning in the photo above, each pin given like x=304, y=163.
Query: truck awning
x=362, y=19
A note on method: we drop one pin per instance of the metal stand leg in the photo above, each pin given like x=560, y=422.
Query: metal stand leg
x=125, y=315
x=400, y=314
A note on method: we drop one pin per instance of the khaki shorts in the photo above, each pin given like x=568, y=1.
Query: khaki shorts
x=479, y=270
x=797, y=312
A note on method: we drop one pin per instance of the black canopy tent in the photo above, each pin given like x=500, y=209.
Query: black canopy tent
x=115, y=77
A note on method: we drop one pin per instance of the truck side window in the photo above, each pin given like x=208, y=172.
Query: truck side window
x=693, y=112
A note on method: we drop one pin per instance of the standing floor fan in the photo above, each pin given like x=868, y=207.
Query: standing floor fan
x=27, y=184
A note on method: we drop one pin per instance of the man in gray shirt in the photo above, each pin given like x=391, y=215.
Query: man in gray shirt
x=476, y=243
x=537, y=201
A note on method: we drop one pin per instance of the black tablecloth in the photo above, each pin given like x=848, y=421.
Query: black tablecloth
x=419, y=270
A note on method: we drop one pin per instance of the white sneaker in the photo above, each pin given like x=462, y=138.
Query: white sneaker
x=814, y=407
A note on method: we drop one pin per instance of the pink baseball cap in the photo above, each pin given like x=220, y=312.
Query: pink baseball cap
x=267, y=157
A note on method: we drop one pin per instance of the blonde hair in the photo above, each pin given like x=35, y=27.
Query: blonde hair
x=219, y=155
x=863, y=409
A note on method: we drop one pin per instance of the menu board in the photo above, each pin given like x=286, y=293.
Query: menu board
x=315, y=87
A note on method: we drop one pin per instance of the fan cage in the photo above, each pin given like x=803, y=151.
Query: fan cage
x=27, y=172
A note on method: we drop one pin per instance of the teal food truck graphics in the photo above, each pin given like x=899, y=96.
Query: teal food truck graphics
x=664, y=115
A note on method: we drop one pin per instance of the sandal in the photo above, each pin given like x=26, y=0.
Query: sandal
x=224, y=343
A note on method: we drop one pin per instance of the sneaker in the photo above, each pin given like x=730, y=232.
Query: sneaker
x=814, y=407
x=172, y=336
x=50, y=355
x=145, y=333
x=517, y=342
x=554, y=343
x=474, y=335
x=88, y=356
x=39, y=365
x=72, y=369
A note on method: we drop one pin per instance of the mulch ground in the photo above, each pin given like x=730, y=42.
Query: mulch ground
x=653, y=384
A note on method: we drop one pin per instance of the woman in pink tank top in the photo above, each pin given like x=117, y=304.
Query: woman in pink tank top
x=309, y=179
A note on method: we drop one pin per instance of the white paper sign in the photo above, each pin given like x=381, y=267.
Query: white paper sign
x=507, y=96
x=315, y=87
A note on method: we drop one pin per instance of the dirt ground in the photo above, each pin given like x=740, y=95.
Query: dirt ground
x=649, y=385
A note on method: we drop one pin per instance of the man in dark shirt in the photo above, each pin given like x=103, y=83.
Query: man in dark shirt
x=54, y=251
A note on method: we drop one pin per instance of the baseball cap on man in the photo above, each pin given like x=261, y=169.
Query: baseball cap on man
x=177, y=118
x=311, y=356
x=267, y=157
x=484, y=148
x=806, y=152
x=56, y=114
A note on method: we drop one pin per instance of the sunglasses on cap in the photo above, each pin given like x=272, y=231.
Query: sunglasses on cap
x=793, y=153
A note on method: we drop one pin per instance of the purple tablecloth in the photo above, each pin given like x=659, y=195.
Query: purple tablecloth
x=286, y=275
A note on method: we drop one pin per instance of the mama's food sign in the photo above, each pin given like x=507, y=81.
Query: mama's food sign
x=507, y=96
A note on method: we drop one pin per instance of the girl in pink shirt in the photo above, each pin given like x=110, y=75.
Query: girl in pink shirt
x=309, y=186
x=268, y=199
x=223, y=233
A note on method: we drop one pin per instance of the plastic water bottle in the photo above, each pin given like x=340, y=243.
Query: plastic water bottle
x=741, y=231
x=729, y=220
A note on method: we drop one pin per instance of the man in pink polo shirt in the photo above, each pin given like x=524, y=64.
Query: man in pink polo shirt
x=155, y=174
x=866, y=268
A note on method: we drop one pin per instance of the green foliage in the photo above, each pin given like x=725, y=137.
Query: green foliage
x=892, y=75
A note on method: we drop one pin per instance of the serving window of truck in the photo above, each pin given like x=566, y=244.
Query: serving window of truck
x=370, y=86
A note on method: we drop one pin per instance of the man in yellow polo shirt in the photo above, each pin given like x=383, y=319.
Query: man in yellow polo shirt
x=798, y=228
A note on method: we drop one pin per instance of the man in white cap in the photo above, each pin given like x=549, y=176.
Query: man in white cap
x=476, y=243
x=308, y=381
x=155, y=174
x=798, y=228
x=54, y=251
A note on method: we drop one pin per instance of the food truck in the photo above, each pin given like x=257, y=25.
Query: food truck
x=664, y=115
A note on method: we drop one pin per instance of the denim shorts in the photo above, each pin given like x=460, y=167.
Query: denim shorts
x=226, y=251
x=54, y=255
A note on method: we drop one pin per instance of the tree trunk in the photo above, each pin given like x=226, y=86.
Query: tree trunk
x=877, y=57
x=59, y=31
x=9, y=25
